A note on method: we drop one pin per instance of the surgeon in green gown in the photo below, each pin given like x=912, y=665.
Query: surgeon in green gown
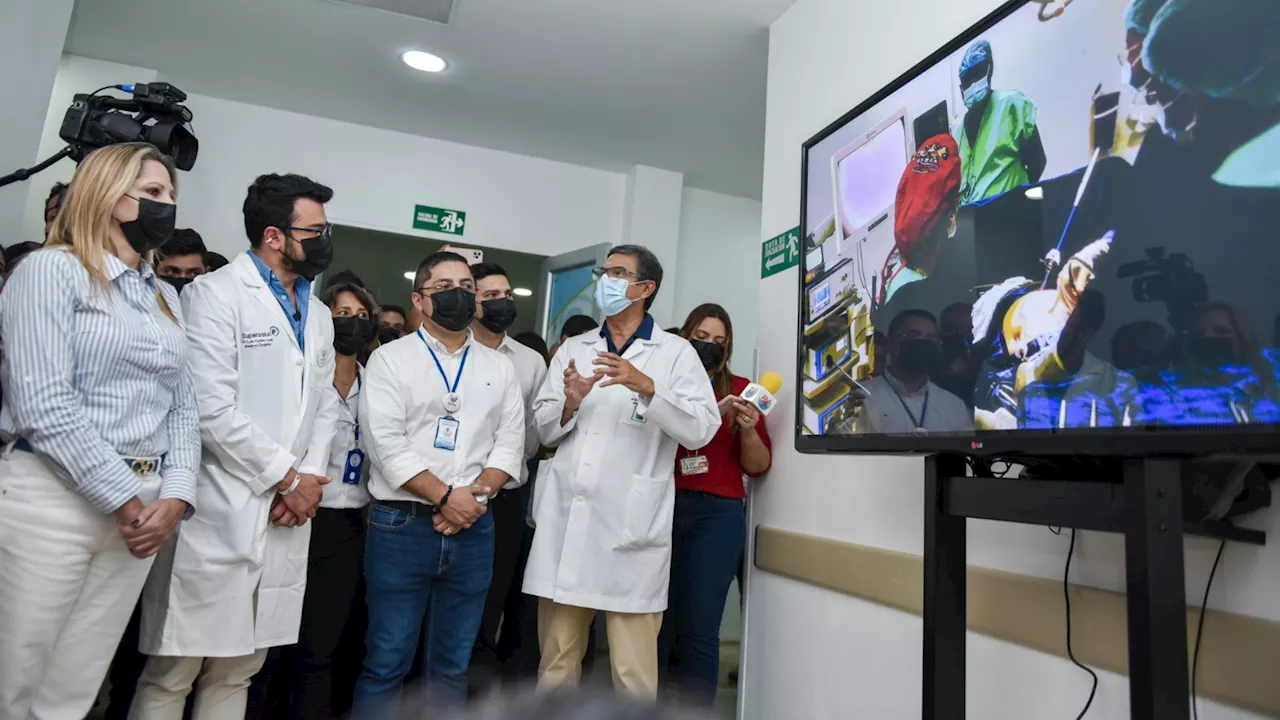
x=1000, y=146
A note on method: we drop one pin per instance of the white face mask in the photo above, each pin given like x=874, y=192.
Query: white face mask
x=977, y=92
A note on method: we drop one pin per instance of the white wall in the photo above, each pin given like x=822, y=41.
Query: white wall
x=812, y=653
x=720, y=263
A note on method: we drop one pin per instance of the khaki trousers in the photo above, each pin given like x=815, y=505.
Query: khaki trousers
x=633, y=647
x=222, y=687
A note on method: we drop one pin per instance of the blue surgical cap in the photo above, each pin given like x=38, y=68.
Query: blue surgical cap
x=1140, y=13
x=977, y=54
x=1219, y=49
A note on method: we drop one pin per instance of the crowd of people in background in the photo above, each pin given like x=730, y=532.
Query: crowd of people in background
x=236, y=493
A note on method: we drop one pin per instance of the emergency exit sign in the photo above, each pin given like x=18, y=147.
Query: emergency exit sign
x=780, y=252
x=440, y=220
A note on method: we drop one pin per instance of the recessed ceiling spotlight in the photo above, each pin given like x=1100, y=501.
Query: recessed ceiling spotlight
x=522, y=292
x=411, y=276
x=1035, y=193
x=424, y=61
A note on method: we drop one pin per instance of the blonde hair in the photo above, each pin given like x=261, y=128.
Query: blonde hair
x=83, y=223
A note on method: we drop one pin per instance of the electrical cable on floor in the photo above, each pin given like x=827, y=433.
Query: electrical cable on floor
x=1066, y=595
x=1204, y=607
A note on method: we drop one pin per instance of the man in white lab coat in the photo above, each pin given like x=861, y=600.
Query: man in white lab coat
x=445, y=424
x=262, y=356
x=617, y=404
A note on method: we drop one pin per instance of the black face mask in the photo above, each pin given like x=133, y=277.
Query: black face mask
x=499, y=314
x=453, y=309
x=319, y=255
x=153, y=227
x=178, y=283
x=711, y=354
x=388, y=334
x=351, y=334
x=919, y=356
x=955, y=347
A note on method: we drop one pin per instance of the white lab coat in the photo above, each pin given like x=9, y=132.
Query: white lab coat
x=236, y=583
x=603, y=509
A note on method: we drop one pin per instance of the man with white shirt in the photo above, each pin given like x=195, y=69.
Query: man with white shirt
x=902, y=400
x=446, y=430
x=496, y=311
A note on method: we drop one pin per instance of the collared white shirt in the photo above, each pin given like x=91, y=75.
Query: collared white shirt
x=530, y=371
x=402, y=403
x=890, y=408
x=338, y=495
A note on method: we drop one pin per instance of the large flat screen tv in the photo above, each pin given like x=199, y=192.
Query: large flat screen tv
x=1060, y=234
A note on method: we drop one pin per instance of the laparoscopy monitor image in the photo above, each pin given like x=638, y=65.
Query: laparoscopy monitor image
x=1066, y=227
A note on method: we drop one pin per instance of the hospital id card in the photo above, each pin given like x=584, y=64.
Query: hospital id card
x=695, y=465
x=637, y=415
x=447, y=433
x=352, y=470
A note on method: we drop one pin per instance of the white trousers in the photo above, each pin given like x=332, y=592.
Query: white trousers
x=221, y=692
x=67, y=588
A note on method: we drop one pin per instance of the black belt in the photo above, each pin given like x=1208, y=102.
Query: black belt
x=409, y=506
x=139, y=466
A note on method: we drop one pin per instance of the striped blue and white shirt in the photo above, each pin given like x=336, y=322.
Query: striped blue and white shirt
x=91, y=377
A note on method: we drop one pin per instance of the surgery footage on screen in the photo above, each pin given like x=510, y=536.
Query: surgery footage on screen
x=1063, y=225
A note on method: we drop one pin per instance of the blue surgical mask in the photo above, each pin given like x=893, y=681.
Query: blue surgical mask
x=977, y=92
x=611, y=295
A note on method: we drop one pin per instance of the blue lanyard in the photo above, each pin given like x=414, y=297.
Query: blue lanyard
x=924, y=410
x=348, y=407
x=457, y=378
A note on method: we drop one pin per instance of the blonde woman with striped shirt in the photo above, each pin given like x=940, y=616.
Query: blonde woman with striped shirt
x=101, y=432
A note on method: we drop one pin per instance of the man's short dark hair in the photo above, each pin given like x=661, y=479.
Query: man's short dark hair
x=577, y=325
x=215, y=261
x=270, y=202
x=429, y=264
x=901, y=319
x=480, y=271
x=184, y=241
x=330, y=294
x=394, y=309
x=533, y=341
x=58, y=190
x=345, y=277
x=647, y=267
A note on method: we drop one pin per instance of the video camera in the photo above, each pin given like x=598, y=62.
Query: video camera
x=1171, y=280
x=154, y=114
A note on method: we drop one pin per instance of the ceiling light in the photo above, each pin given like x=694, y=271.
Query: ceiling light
x=424, y=61
x=522, y=292
x=410, y=276
x=1035, y=193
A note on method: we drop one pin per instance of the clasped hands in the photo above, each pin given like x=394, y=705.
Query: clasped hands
x=294, y=509
x=146, y=528
x=461, y=511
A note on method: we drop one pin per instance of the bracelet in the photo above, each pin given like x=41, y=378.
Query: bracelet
x=297, y=480
x=444, y=500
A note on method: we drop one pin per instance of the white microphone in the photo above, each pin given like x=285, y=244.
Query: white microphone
x=761, y=394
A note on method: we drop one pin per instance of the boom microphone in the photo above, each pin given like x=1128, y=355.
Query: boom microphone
x=761, y=394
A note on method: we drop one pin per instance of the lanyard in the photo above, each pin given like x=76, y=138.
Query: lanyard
x=452, y=388
x=924, y=410
x=348, y=407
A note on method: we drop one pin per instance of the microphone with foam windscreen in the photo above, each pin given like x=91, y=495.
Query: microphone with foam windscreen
x=761, y=394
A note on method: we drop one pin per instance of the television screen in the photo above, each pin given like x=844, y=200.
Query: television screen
x=1059, y=234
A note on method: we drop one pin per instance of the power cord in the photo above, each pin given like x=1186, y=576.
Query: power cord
x=1066, y=595
x=1204, y=608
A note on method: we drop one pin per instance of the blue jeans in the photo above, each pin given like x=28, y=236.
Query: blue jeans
x=709, y=535
x=411, y=569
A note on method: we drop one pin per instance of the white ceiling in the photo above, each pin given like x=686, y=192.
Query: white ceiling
x=675, y=84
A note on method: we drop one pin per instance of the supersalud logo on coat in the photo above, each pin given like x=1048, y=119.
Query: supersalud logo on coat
x=259, y=339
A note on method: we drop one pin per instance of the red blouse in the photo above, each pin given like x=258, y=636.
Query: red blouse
x=724, y=471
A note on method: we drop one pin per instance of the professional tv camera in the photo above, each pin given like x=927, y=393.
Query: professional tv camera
x=153, y=114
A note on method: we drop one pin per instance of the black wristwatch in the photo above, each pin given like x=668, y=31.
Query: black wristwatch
x=444, y=500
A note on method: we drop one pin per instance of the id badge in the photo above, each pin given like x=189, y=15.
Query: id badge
x=636, y=415
x=355, y=464
x=447, y=433
x=696, y=465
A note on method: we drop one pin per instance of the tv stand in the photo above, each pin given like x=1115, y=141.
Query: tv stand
x=1145, y=504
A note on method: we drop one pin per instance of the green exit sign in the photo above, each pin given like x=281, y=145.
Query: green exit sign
x=780, y=252
x=441, y=220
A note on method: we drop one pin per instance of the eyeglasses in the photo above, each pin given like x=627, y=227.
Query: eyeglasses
x=617, y=273
x=445, y=285
x=325, y=233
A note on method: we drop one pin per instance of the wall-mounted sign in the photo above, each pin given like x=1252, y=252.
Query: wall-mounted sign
x=780, y=252
x=441, y=220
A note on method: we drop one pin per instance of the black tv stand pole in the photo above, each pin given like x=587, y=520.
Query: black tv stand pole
x=1146, y=507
